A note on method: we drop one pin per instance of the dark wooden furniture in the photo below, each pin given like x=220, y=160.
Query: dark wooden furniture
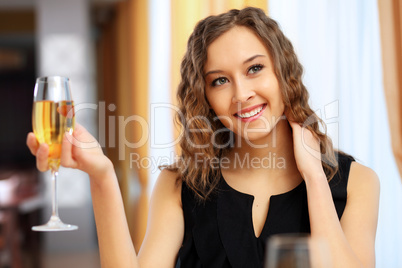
x=20, y=206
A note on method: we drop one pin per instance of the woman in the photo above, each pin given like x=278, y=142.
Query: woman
x=254, y=162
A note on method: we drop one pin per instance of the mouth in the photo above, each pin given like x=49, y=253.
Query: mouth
x=252, y=113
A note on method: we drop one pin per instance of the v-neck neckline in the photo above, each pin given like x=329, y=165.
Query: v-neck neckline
x=272, y=198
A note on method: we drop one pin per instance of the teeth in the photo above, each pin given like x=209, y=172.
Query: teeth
x=252, y=113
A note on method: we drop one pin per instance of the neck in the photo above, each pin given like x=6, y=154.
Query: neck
x=272, y=154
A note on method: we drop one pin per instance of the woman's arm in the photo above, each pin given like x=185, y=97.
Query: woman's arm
x=115, y=246
x=165, y=230
x=351, y=241
x=359, y=220
x=82, y=151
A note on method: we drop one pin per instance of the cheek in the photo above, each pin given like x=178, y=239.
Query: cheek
x=277, y=109
x=274, y=95
x=281, y=106
x=218, y=102
x=219, y=105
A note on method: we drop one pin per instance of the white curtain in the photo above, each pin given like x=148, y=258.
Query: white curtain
x=161, y=150
x=338, y=43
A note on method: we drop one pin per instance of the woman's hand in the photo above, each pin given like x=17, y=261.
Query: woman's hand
x=306, y=150
x=79, y=150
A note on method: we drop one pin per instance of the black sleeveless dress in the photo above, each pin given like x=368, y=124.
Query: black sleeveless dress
x=220, y=232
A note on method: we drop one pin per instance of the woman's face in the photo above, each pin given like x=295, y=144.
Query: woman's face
x=241, y=86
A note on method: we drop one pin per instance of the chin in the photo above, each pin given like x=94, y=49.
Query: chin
x=261, y=138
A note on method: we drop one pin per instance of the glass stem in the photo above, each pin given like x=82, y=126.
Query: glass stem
x=55, y=210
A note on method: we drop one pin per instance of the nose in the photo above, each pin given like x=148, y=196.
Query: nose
x=242, y=92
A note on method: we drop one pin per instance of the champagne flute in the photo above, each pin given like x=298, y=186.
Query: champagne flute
x=52, y=117
x=296, y=251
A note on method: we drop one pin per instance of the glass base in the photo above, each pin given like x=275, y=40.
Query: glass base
x=54, y=225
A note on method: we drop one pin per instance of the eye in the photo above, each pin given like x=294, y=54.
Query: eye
x=219, y=81
x=255, y=68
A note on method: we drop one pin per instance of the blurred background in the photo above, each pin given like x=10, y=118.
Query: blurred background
x=123, y=59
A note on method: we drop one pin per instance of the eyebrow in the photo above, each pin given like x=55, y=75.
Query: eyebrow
x=246, y=61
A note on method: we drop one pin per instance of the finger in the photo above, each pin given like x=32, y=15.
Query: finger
x=311, y=143
x=295, y=127
x=66, y=159
x=66, y=110
x=32, y=143
x=79, y=130
x=81, y=138
x=78, y=127
x=310, y=138
x=42, y=155
x=81, y=134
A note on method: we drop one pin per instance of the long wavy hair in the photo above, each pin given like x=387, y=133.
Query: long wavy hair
x=195, y=166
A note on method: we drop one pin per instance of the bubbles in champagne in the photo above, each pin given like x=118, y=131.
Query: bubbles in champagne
x=50, y=121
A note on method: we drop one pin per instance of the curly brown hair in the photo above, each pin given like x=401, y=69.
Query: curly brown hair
x=195, y=113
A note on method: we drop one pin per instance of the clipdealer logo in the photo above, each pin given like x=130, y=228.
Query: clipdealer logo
x=115, y=126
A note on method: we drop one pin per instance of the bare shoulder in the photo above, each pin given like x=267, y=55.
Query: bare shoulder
x=169, y=178
x=362, y=179
x=168, y=185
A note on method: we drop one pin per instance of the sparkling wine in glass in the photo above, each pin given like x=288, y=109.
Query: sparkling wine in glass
x=52, y=117
x=297, y=251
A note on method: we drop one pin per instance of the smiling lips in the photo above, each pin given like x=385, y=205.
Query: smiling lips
x=252, y=113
